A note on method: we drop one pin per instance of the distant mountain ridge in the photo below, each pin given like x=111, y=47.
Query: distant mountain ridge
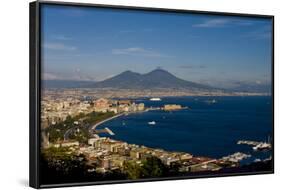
x=252, y=87
x=157, y=78
x=65, y=83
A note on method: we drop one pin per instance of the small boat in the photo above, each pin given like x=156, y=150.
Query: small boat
x=155, y=99
x=262, y=146
x=151, y=123
x=123, y=123
x=257, y=160
x=213, y=101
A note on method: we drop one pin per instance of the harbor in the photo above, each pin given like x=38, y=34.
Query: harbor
x=161, y=124
x=178, y=130
x=166, y=107
x=236, y=157
x=257, y=146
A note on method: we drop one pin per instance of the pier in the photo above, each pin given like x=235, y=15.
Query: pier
x=105, y=130
x=167, y=109
x=252, y=143
x=153, y=108
x=109, y=131
x=256, y=145
x=236, y=157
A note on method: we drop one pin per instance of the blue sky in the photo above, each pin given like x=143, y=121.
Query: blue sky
x=81, y=43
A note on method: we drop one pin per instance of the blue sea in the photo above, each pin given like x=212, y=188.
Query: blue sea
x=206, y=129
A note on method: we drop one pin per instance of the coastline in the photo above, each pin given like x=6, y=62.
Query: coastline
x=103, y=121
x=139, y=134
x=106, y=149
x=113, y=93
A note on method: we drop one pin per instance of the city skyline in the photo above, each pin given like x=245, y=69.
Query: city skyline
x=87, y=44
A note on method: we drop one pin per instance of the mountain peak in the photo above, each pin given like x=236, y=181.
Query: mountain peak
x=160, y=73
x=159, y=70
x=128, y=72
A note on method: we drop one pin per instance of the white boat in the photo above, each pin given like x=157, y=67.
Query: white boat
x=262, y=146
x=151, y=123
x=257, y=160
x=155, y=99
x=213, y=101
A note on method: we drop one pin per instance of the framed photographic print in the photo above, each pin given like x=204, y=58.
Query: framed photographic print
x=130, y=94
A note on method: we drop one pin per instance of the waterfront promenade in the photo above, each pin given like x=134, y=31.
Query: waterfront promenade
x=103, y=121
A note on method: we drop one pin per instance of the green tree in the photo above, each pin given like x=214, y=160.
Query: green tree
x=132, y=170
x=149, y=168
x=153, y=167
x=61, y=163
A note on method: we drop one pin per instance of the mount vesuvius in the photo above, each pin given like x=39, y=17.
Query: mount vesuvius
x=157, y=78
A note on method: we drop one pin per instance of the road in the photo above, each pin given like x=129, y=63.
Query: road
x=67, y=133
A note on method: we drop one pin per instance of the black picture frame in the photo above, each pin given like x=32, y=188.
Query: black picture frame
x=35, y=90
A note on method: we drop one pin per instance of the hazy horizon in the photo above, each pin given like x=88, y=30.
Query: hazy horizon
x=92, y=44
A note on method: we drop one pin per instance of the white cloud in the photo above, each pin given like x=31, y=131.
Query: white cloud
x=138, y=51
x=221, y=22
x=61, y=37
x=128, y=50
x=50, y=76
x=75, y=76
x=212, y=23
x=258, y=82
x=59, y=46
